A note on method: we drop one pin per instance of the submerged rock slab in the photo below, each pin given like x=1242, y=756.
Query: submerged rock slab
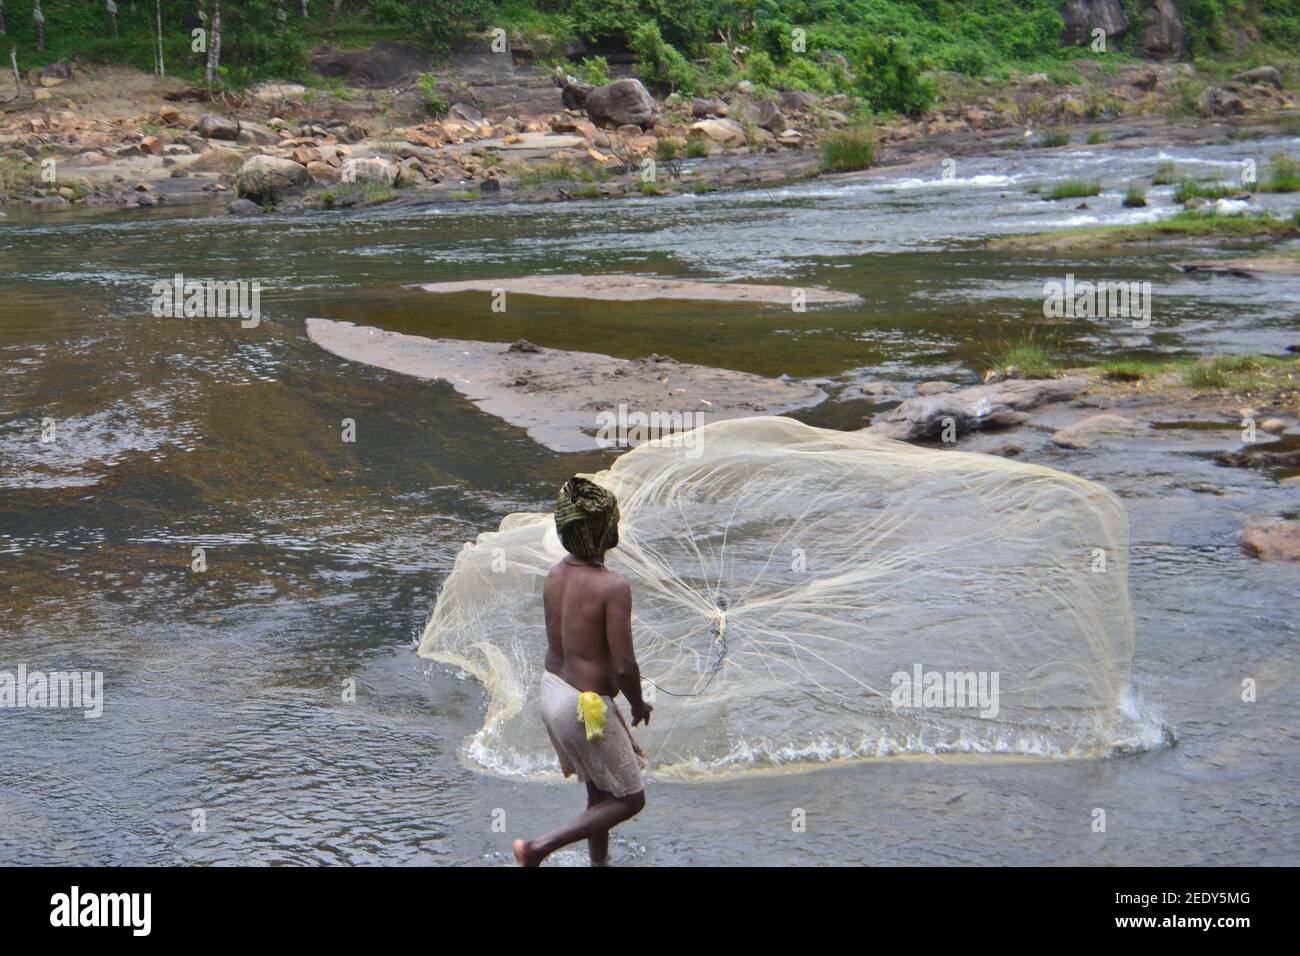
x=634, y=288
x=558, y=396
x=1245, y=268
x=1000, y=405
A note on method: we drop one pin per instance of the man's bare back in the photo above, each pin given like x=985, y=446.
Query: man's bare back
x=589, y=631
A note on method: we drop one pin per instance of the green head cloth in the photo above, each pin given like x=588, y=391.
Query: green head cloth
x=586, y=518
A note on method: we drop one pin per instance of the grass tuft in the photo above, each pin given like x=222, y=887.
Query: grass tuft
x=1074, y=189
x=848, y=150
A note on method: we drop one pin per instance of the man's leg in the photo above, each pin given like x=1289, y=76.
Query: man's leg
x=597, y=843
x=601, y=818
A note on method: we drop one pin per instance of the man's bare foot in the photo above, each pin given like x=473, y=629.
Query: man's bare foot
x=524, y=854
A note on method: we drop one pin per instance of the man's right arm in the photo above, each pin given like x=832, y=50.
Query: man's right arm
x=618, y=634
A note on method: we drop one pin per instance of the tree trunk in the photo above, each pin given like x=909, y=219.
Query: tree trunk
x=304, y=9
x=40, y=25
x=112, y=16
x=338, y=5
x=214, y=45
x=2, y=17
x=162, y=69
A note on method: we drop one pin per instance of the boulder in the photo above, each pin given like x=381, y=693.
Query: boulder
x=1000, y=405
x=621, y=103
x=797, y=100
x=242, y=207
x=1083, y=16
x=283, y=173
x=573, y=92
x=255, y=134
x=935, y=388
x=218, y=159
x=1145, y=79
x=1163, y=35
x=706, y=107
x=371, y=170
x=1083, y=433
x=1261, y=74
x=216, y=126
x=463, y=111
x=1279, y=541
x=726, y=132
x=1216, y=101
x=323, y=172
x=981, y=119
x=766, y=115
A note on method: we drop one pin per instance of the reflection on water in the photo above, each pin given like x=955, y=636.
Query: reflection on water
x=225, y=688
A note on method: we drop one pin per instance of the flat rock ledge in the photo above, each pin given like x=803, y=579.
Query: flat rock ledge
x=635, y=288
x=559, y=396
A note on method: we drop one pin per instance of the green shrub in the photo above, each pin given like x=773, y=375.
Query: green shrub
x=596, y=70
x=889, y=79
x=1135, y=197
x=1055, y=139
x=804, y=74
x=697, y=146
x=434, y=102
x=847, y=150
x=759, y=69
x=668, y=149
x=662, y=67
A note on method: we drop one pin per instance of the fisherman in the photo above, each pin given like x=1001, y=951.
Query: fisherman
x=589, y=659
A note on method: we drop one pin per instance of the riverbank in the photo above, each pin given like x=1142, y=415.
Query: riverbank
x=95, y=135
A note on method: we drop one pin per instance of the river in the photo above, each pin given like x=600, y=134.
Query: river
x=224, y=689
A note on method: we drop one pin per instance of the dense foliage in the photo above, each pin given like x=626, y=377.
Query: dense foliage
x=879, y=49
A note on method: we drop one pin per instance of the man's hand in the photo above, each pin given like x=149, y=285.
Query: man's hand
x=641, y=713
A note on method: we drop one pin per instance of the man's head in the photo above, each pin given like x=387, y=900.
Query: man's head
x=586, y=518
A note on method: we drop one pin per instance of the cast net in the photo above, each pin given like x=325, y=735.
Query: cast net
x=802, y=595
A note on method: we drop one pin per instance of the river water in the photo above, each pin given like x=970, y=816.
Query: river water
x=224, y=689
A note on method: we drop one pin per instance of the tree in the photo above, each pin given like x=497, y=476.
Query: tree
x=40, y=25
x=214, y=45
x=162, y=70
x=112, y=15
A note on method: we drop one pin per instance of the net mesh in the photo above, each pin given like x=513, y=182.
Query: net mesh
x=802, y=595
